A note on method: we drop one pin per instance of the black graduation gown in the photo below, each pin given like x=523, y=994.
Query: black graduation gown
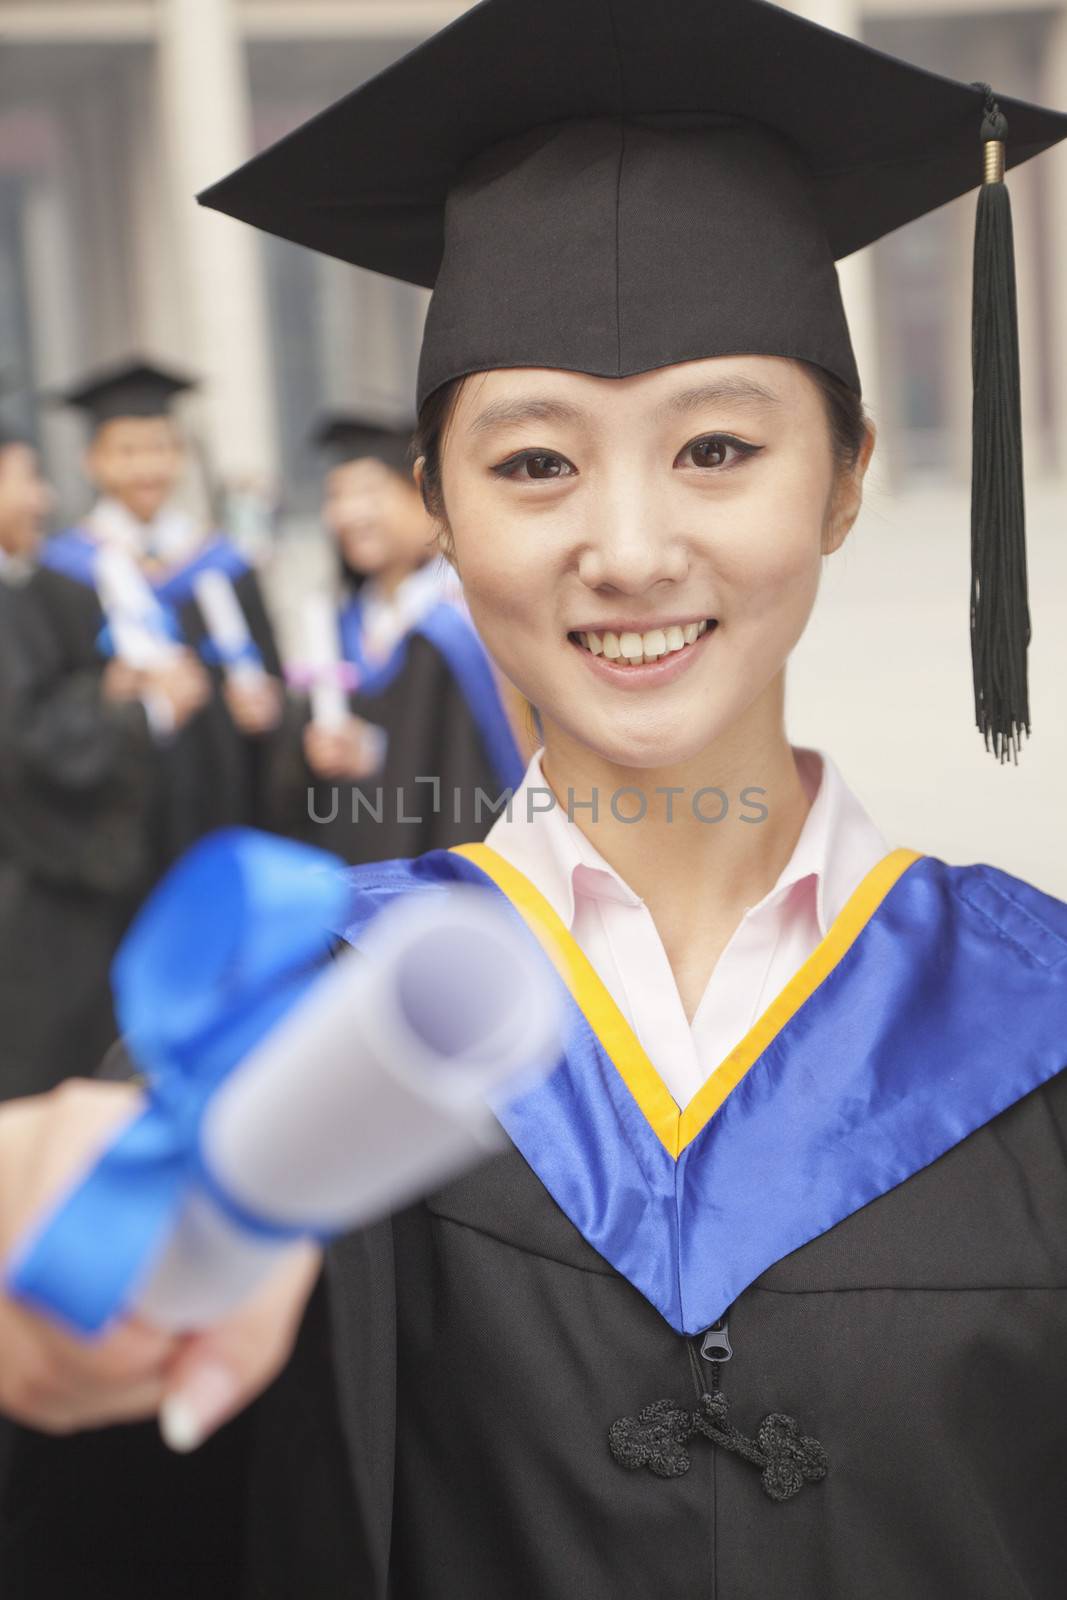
x=215, y=776
x=93, y=1514
x=78, y=782
x=483, y=1348
x=93, y=810
x=431, y=734
x=442, y=1429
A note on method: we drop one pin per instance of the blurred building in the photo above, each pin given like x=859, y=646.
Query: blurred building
x=114, y=112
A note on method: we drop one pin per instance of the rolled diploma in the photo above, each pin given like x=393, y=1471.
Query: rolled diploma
x=134, y=615
x=374, y=1090
x=226, y=623
x=322, y=652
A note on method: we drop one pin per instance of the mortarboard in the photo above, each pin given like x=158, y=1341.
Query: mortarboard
x=346, y=436
x=622, y=187
x=134, y=388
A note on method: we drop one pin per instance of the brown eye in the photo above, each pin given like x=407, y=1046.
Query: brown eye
x=535, y=465
x=710, y=452
x=544, y=466
x=717, y=451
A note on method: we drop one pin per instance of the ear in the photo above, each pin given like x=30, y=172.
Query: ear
x=847, y=498
x=418, y=472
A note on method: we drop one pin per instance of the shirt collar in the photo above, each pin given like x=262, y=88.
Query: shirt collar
x=536, y=835
x=838, y=845
x=170, y=537
x=386, y=618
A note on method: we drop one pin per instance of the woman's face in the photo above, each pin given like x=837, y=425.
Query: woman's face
x=376, y=517
x=593, y=515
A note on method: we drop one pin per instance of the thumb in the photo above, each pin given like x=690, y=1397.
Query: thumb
x=220, y=1371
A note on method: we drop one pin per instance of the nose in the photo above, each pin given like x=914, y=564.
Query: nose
x=629, y=547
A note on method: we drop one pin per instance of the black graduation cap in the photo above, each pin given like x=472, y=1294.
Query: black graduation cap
x=621, y=186
x=347, y=436
x=132, y=388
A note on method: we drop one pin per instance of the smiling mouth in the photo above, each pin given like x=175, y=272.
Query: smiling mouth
x=642, y=649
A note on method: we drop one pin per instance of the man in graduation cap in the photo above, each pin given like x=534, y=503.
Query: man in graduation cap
x=532, y=1366
x=425, y=705
x=78, y=767
x=142, y=554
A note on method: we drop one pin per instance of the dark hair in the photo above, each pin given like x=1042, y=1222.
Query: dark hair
x=428, y=443
x=845, y=415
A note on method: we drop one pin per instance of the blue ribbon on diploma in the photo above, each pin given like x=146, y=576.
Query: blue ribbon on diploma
x=231, y=939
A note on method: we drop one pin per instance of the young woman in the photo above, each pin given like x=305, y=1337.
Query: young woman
x=805, y=1147
x=424, y=703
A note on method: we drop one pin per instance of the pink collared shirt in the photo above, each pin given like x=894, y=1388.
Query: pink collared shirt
x=837, y=847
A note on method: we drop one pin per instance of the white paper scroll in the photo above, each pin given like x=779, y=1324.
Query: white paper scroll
x=226, y=624
x=373, y=1091
x=135, y=618
x=323, y=661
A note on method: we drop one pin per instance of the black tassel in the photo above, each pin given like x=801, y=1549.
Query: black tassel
x=1000, y=614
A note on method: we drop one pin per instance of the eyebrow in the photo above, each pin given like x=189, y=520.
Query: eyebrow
x=505, y=413
x=718, y=391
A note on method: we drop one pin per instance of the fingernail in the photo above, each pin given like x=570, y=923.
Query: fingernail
x=196, y=1409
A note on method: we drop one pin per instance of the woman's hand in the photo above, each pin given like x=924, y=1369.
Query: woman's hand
x=254, y=702
x=351, y=751
x=54, y=1382
x=49, y=1380
x=215, y=1374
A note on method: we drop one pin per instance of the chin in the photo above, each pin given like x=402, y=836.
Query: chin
x=146, y=510
x=647, y=748
x=368, y=562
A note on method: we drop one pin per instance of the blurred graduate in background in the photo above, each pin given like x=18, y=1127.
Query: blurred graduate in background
x=167, y=591
x=405, y=719
x=78, y=773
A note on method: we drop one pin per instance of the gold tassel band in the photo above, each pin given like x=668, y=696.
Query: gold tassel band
x=994, y=161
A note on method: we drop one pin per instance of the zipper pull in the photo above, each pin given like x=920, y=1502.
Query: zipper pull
x=716, y=1345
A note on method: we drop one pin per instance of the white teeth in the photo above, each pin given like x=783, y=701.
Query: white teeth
x=634, y=649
